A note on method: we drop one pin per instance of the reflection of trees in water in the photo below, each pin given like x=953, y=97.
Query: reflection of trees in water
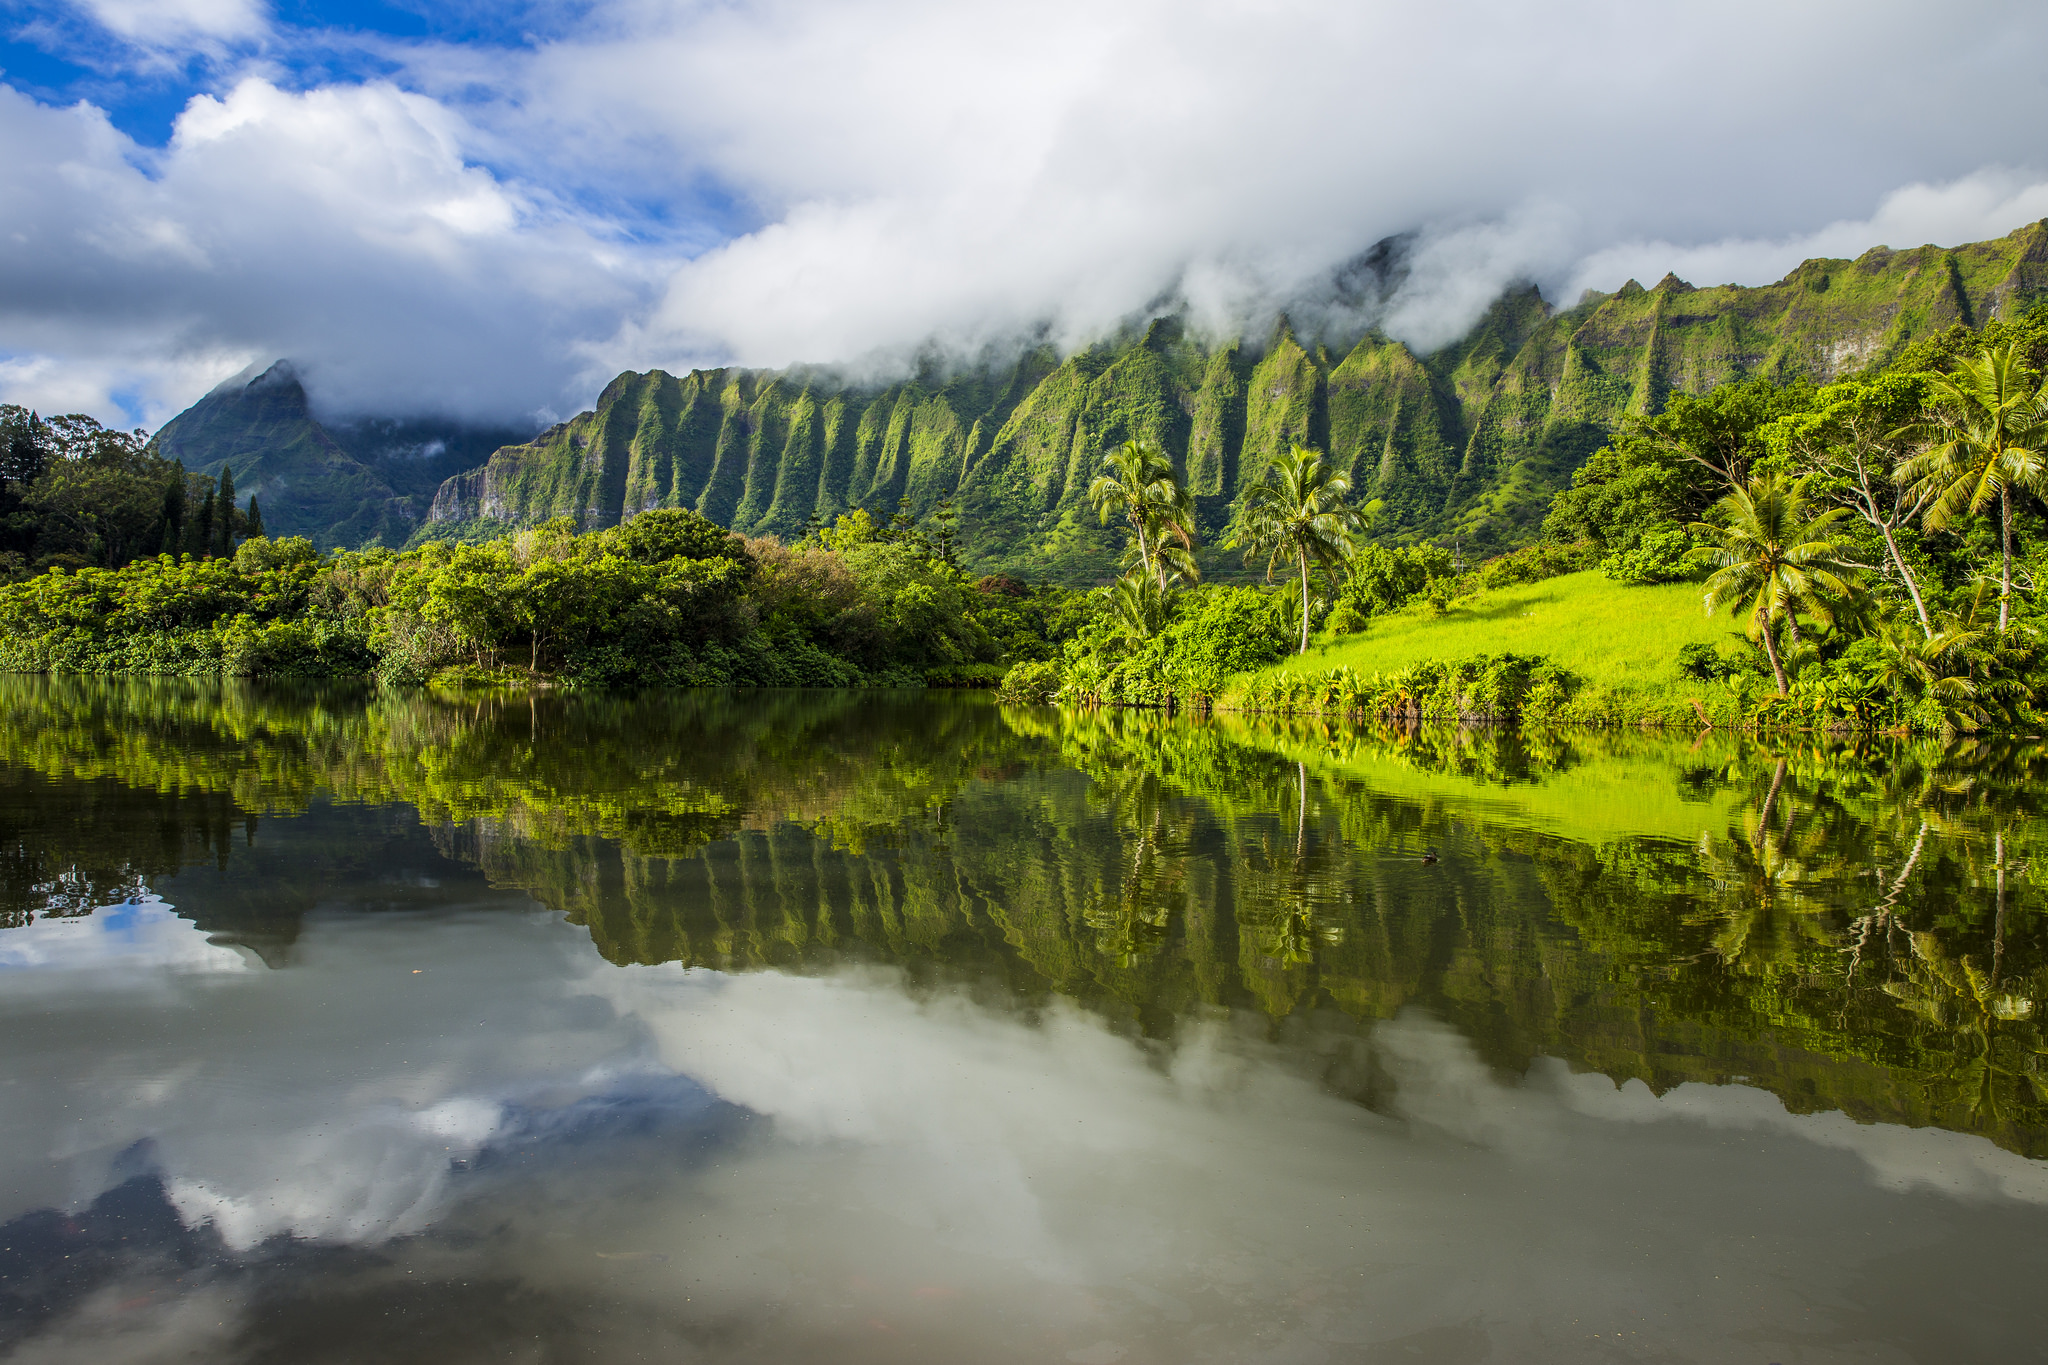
x=1854, y=924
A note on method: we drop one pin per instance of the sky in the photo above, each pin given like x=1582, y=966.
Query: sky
x=485, y=211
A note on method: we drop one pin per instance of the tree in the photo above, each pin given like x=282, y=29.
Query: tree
x=1138, y=483
x=224, y=514
x=255, y=527
x=1932, y=668
x=1769, y=552
x=1985, y=433
x=1140, y=605
x=25, y=446
x=1659, y=473
x=1854, y=443
x=1298, y=512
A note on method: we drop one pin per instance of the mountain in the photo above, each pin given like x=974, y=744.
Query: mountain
x=347, y=483
x=1470, y=441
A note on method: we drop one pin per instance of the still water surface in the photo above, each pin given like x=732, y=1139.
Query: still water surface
x=907, y=1028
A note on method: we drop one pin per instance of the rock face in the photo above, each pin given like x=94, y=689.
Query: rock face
x=1470, y=441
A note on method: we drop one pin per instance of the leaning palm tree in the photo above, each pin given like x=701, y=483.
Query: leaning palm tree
x=1138, y=483
x=1985, y=439
x=1770, y=554
x=1298, y=512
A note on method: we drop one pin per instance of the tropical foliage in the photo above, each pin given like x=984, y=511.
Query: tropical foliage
x=667, y=598
x=1299, y=514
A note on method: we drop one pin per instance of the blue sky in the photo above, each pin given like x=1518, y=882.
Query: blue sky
x=488, y=209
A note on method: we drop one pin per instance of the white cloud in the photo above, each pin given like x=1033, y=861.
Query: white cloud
x=168, y=22
x=108, y=947
x=501, y=229
x=1987, y=203
x=344, y=226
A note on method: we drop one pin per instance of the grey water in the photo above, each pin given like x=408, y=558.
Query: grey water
x=358, y=1026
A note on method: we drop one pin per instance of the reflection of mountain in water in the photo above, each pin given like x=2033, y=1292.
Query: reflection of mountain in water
x=1855, y=930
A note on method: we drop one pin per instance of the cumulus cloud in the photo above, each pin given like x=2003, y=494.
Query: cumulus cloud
x=171, y=22
x=818, y=180
x=342, y=225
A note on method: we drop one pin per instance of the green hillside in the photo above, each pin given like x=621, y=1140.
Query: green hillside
x=352, y=483
x=1622, y=639
x=1471, y=441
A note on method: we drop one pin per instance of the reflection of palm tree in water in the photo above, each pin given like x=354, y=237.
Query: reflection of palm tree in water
x=1133, y=922
x=1964, y=996
x=1294, y=920
x=1755, y=881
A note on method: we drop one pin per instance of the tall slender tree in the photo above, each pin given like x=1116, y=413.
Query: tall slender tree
x=1137, y=483
x=1773, y=556
x=1298, y=511
x=1985, y=437
x=224, y=514
x=255, y=526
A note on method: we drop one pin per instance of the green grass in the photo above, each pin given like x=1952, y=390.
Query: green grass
x=1621, y=794
x=1620, y=641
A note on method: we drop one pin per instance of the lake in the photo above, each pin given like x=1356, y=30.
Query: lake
x=906, y=1027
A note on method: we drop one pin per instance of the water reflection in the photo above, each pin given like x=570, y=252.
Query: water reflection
x=1032, y=1036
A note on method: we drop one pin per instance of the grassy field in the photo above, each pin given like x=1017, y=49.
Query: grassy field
x=1621, y=641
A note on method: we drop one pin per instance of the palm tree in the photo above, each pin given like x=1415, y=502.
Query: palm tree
x=1140, y=605
x=1986, y=438
x=1770, y=553
x=1138, y=482
x=1928, y=667
x=1298, y=512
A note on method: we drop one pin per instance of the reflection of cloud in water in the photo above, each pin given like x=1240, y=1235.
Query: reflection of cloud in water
x=328, y=1100
x=1899, y=1158
x=142, y=935
x=936, y=1179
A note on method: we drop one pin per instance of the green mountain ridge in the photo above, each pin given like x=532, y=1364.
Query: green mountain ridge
x=1470, y=441
x=341, y=483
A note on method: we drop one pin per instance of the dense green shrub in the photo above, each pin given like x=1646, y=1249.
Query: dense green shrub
x=1657, y=555
x=666, y=599
x=1031, y=683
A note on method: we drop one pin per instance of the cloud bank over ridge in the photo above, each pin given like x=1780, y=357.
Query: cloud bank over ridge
x=492, y=224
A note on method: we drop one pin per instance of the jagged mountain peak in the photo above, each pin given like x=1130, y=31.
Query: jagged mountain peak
x=1470, y=440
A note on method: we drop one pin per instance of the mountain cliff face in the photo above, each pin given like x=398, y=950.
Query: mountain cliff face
x=362, y=482
x=1471, y=441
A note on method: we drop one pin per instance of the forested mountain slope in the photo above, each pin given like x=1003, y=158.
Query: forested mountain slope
x=349, y=483
x=1471, y=441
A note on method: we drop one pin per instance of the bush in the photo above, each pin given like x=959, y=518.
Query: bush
x=1702, y=662
x=1535, y=563
x=1384, y=580
x=1030, y=684
x=1346, y=619
x=1656, y=556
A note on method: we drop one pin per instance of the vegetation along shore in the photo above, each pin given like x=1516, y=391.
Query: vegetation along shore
x=1858, y=555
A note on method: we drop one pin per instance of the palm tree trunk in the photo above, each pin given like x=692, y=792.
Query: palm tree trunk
x=1144, y=546
x=1998, y=925
x=1771, y=648
x=2005, y=544
x=1304, y=601
x=1301, y=816
x=1770, y=806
